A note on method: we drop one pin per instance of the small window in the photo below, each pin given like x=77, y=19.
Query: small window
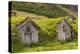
x=28, y=29
x=64, y=27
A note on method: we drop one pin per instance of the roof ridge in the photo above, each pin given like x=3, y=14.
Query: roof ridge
x=22, y=22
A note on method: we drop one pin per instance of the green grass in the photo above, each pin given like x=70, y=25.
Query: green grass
x=15, y=20
x=14, y=46
x=47, y=35
x=50, y=47
x=44, y=9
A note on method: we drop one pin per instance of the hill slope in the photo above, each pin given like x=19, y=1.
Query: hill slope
x=49, y=10
x=47, y=35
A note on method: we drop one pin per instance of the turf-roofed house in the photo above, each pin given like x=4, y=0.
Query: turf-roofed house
x=28, y=31
x=64, y=30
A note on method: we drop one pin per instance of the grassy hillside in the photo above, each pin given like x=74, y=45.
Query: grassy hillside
x=46, y=16
x=21, y=15
x=42, y=21
x=47, y=38
x=47, y=34
x=45, y=9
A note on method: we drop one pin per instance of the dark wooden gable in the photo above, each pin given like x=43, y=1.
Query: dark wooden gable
x=28, y=20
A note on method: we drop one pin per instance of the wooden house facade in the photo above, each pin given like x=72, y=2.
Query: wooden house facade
x=28, y=31
x=64, y=30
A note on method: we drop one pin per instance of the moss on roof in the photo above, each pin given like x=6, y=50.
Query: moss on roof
x=26, y=19
x=46, y=23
